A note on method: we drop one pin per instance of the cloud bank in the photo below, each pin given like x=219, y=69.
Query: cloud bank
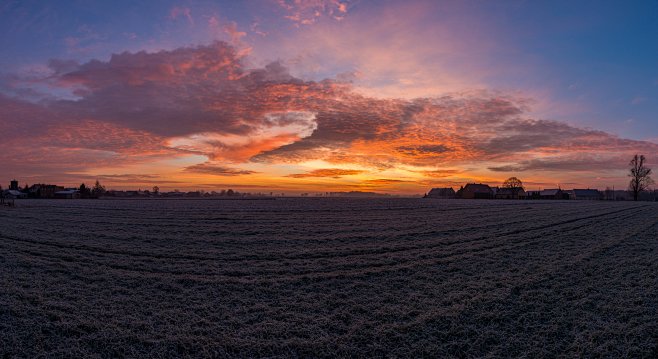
x=203, y=103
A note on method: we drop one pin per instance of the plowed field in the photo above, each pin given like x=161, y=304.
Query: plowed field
x=328, y=277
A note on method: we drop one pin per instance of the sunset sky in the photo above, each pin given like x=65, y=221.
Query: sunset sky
x=334, y=95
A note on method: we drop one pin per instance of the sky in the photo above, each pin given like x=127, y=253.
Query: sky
x=313, y=96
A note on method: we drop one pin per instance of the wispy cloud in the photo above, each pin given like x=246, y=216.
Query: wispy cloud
x=567, y=162
x=386, y=181
x=327, y=172
x=307, y=12
x=217, y=170
x=231, y=29
x=185, y=12
x=84, y=41
x=638, y=100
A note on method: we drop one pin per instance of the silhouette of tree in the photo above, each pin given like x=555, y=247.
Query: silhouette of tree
x=156, y=190
x=460, y=192
x=98, y=190
x=84, y=191
x=514, y=184
x=230, y=192
x=639, y=174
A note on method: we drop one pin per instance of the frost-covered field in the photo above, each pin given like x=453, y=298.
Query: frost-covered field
x=328, y=277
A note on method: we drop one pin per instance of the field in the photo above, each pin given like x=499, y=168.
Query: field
x=328, y=277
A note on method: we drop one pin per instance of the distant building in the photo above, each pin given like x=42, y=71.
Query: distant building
x=13, y=185
x=585, y=194
x=13, y=194
x=532, y=194
x=510, y=193
x=444, y=193
x=43, y=190
x=67, y=194
x=552, y=194
x=476, y=191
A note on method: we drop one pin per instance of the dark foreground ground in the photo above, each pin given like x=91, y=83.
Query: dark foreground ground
x=328, y=277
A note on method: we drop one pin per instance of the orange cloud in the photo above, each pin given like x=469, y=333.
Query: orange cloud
x=217, y=170
x=327, y=172
x=199, y=109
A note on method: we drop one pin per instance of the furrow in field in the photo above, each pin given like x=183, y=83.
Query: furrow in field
x=424, y=256
x=378, y=246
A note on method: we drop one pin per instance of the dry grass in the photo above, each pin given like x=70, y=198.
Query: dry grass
x=328, y=277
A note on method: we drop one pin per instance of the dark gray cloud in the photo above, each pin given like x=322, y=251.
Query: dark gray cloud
x=217, y=170
x=422, y=149
x=130, y=107
x=567, y=163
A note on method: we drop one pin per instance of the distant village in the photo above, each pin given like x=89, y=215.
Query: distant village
x=51, y=191
x=484, y=191
x=468, y=191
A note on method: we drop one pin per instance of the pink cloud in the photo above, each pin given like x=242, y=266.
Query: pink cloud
x=203, y=100
x=232, y=30
x=307, y=12
x=177, y=12
x=255, y=28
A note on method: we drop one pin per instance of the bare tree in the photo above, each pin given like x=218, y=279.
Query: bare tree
x=639, y=174
x=514, y=184
x=85, y=192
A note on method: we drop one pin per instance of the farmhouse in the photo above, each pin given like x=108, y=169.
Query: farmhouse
x=532, y=194
x=441, y=193
x=510, y=193
x=476, y=190
x=13, y=194
x=551, y=194
x=41, y=190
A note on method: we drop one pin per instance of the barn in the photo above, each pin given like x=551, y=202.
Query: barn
x=476, y=191
x=510, y=193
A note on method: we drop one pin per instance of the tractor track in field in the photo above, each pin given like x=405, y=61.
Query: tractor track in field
x=397, y=258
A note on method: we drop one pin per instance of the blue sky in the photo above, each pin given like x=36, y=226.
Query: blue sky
x=598, y=59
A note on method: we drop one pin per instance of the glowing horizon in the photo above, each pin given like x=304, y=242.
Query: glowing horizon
x=324, y=96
